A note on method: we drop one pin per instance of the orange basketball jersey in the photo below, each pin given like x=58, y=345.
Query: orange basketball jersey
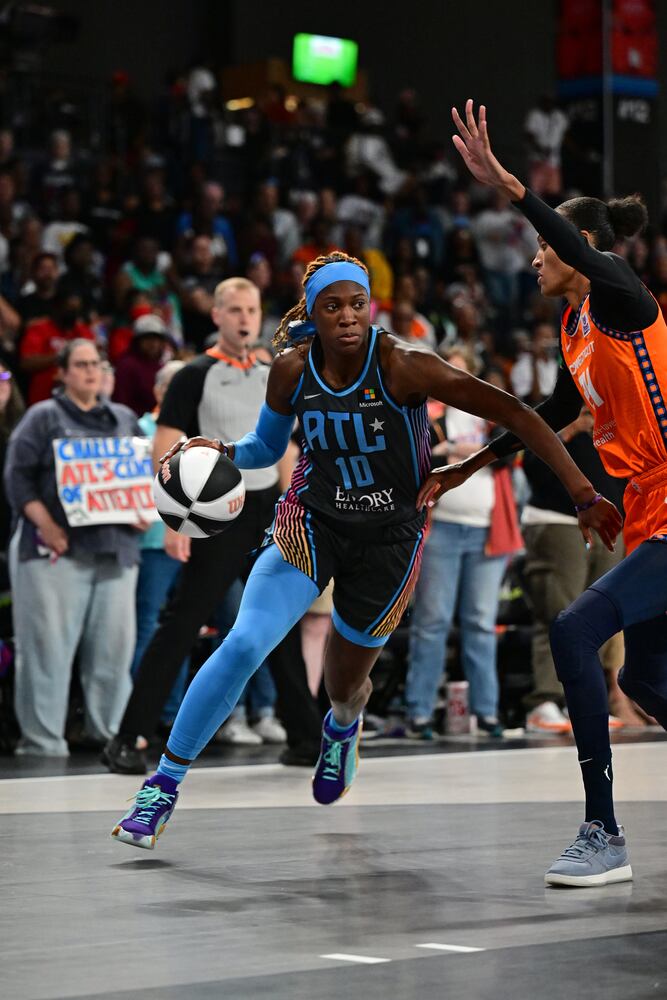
x=622, y=378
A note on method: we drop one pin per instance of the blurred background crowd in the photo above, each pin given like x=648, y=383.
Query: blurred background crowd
x=121, y=237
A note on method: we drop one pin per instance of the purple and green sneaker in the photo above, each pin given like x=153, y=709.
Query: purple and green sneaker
x=153, y=805
x=337, y=763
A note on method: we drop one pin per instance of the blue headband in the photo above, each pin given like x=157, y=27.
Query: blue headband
x=340, y=270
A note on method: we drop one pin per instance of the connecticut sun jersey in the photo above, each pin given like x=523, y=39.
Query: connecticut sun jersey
x=364, y=456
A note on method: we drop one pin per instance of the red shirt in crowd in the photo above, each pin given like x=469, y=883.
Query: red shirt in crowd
x=44, y=336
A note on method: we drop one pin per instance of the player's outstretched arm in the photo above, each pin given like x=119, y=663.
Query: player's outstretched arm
x=418, y=373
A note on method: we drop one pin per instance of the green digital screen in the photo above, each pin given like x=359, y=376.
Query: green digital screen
x=321, y=59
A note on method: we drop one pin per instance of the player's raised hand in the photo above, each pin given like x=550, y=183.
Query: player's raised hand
x=474, y=146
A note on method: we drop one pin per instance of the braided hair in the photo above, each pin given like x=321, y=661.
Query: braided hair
x=298, y=312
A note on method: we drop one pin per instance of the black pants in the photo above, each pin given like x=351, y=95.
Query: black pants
x=214, y=564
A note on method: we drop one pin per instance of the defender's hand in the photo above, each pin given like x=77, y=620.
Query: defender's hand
x=602, y=518
x=440, y=482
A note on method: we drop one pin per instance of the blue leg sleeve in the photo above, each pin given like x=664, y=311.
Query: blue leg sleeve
x=276, y=596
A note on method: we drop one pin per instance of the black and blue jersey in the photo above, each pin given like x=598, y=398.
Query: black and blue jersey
x=364, y=456
x=350, y=512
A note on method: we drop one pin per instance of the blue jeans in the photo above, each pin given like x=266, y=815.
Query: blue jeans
x=454, y=565
x=258, y=699
x=157, y=573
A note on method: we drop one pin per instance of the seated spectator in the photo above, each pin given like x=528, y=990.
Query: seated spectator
x=283, y=223
x=414, y=219
x=402, y=320
x=379, y=268
x=356, y=208
x=468, y=322
x=56, y=176
x=405, y=290
x=533, y=376
x=37, y=299
x=260, y=272
x=367, y=151
x=403, y=260
x=317, y=244
x=45, y=338
x=137, y=368
x=207, y=219
x=127, y=116
x=142, y=272
x=12, y=211
x=155, y=215
x=24, y=251
x=137, y=303
x=195, y=284
x=105, y=210
x=73, y=586
x=461, y=252
x=341, y=114
x=66, y=225
x=467, y=283
x=81, y=277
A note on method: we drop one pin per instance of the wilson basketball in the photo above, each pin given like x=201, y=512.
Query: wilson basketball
x=199, y=492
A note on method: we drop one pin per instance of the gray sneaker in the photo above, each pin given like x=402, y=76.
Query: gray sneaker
x=595, y=858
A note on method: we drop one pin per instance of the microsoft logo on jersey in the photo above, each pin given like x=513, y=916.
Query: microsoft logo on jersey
x=368, y=397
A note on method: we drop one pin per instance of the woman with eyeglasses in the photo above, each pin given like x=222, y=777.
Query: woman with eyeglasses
x=73, y=587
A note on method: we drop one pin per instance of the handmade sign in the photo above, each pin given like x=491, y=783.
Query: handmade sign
x=105, y=480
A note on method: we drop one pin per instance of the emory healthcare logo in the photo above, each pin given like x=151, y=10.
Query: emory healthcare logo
x=380, y=500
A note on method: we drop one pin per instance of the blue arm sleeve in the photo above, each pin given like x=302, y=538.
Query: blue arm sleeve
x=267, y=443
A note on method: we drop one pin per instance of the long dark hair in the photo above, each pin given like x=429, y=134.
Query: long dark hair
x=299, y=312
x=607, y=222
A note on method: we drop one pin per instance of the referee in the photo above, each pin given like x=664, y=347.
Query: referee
x=218, y=395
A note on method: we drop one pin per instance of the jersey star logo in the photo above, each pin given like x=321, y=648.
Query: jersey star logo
x=377, y=425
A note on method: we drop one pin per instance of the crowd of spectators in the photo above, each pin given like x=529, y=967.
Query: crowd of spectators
x=125, y=248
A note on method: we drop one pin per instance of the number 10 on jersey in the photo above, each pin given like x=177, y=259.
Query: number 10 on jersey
x=357, y=468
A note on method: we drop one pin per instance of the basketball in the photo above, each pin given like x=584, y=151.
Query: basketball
x=199, y=492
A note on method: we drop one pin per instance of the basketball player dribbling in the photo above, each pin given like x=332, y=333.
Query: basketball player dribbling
x=614, y=350
x=355, y=511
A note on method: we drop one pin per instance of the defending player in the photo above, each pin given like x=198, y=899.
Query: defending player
x=614, y=346
x=354, y=511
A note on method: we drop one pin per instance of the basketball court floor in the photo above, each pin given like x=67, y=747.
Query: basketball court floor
x=426, y=881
